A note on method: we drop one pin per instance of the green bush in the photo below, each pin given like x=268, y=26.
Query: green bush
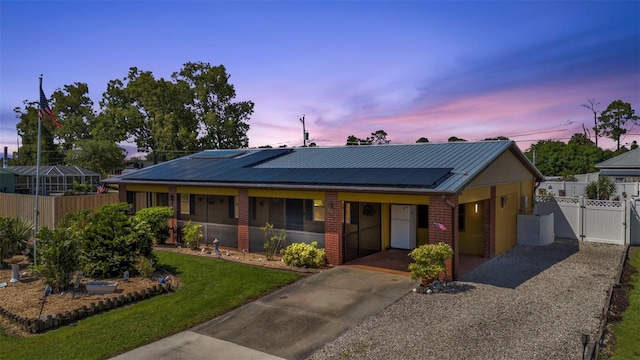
x=603, y=189
x=191, y=235
x=429, y=261
x=113, y=242
x=158, y=219
x=273, y=240
x=303, y=255
x=58, y=252
x=14, y=235
x=145, y=267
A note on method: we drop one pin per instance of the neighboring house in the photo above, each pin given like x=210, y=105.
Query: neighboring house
x=54, y=179
x=623, y=168
x=352, y=200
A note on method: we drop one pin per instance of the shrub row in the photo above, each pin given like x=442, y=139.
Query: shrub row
x=51, y=322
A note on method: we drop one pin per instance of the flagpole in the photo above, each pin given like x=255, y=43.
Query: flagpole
x=35, y=210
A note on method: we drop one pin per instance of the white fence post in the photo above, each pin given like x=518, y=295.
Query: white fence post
x=581, y=207
x=627, y=221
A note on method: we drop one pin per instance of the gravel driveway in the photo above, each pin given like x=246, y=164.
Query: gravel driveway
x=528, y=303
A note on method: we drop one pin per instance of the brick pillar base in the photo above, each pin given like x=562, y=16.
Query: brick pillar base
x=333, y=217
x=489, y=219
x=443, y=228
x=243, y=219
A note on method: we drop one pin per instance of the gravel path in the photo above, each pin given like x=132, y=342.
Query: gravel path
x=528, y=303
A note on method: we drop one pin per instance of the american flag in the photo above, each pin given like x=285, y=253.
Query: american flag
x=440, y=226
x=45, y=109
x=101, y=189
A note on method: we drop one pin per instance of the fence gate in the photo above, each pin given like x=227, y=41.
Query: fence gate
x=579, y=218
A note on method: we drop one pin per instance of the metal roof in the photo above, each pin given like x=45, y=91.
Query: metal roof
x=630, y=159
x=439, y=167
x=52, y=170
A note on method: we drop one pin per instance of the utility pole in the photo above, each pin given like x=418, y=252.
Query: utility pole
x=305, y=135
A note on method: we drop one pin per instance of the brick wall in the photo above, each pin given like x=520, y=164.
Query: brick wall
x=333, y=217
x=173, y=223
x=243, y=219
x=489, y=219
x=441, y=213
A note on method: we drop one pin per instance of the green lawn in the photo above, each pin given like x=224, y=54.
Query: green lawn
x=627, y=332
x=208, y=288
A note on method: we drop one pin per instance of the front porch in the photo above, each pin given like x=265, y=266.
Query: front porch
x=396, y=261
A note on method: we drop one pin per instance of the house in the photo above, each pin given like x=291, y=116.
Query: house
x=352, y=200
x=622, y=168
x=54, y=179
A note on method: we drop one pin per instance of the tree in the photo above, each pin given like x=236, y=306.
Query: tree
x=157, y=217
x=101, y=156
x=591, y=105
x=58, y=256
x=496, y=138
x=28, y=132
x=614, y=119
x=454, y=139
x=422, y=140
x=379, y=137
x=74, y=109
x=155, y=114
x=547, y=156
x=352, y=140
x=114, y=242
x=223, y=123
x=603, y=189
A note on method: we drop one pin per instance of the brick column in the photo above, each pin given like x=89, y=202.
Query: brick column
x=333, y=218
x=489, y=220
x=440, y=212
x=174, y=234
x=243, y=219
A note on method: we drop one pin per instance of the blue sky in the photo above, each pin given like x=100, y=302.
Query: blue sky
x=412, y=68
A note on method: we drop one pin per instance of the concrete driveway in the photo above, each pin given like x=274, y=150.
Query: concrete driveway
x=290, y=323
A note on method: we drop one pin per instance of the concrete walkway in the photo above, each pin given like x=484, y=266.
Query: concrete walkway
x=290, y=323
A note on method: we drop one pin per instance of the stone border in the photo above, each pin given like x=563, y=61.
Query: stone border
x=35, y=326
x=593, y=346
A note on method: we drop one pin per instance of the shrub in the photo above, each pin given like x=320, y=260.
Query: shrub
x=157, y=217
x=145, y=267
x=603, y=189
x=273, y=240
x=14, y=235
x=429, y=261
x=191, y=235
x=113, y=242
x=303, y=255
x=58, y=257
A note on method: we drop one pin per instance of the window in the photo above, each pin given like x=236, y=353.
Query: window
x=461, y=217
x=314, y=210
x=186, y=203
x=233, y=207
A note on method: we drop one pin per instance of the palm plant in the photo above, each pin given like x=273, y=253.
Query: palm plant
x=14, y=237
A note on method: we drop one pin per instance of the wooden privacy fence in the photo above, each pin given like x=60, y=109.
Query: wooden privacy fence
x=51, y=208
x=611, y=222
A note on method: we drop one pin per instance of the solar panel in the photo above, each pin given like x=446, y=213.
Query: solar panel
x=218, y=154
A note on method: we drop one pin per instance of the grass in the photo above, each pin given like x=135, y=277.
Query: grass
x=207, y=289
x=627, y=332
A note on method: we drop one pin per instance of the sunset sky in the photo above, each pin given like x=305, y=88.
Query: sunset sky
x=415, y=69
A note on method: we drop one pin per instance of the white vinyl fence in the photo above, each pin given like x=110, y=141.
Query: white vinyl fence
x=624, y=190
x=611, y=222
